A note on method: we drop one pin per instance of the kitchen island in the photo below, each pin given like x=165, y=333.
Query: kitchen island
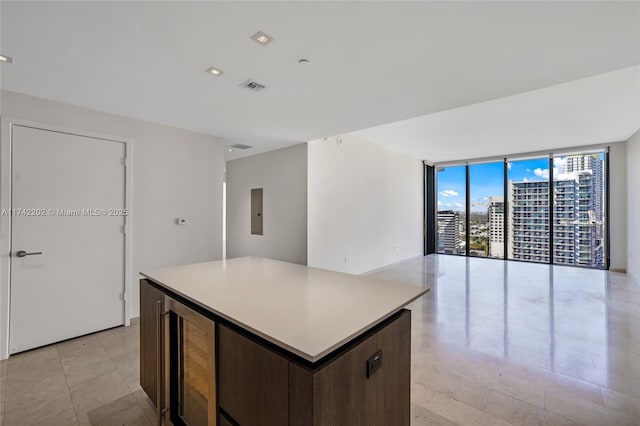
x=254, y=341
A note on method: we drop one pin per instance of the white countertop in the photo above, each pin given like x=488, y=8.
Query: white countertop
x=307, y=311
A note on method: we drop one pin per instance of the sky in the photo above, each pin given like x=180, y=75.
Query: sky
x=486, y=180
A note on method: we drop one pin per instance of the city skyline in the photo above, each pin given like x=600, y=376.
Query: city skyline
x=486, y=180
x=576, y=211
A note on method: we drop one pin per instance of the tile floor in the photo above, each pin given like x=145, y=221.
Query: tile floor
x=513, y=343
x=494, y=343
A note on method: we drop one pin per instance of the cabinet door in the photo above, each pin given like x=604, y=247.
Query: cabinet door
x=253, y=380
x=224, y=421
x=190, y=374
x=345, y=394
x=150, y=306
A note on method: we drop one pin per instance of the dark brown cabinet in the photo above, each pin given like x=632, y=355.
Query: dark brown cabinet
x=253, y=380
x=344, y=393
x=225, y=422
x=365, y=383
x=260, y=387
x=150, y=308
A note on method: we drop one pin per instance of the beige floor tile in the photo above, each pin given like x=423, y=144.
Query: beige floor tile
x=461, y=413
x=120, y=340
x=420, y=416
x=504, y=378
x=87, y=364
x=560, y=384
x=3, y=387
x=626, y=384
x=456, y=387
x=520, y=413
x=128, y=365
x=73, y=347
x=144, y=401
x=29, y=402
x=35, y=365
x=100, y=398
x=66, y=418
x=587, y=412
x=622, y=403
x=420, y=394
x=128, y=413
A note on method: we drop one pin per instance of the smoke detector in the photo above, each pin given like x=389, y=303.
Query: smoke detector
x=241, y=146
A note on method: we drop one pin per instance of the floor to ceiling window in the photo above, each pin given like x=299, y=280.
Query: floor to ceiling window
x=486, y=210
x=578, y=211
x=452, y=211
x=548, y=209
x=528, y=218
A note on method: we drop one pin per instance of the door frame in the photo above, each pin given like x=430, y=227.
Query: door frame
x=6, y=172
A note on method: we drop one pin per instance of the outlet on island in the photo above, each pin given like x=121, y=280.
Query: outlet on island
x=374, y=363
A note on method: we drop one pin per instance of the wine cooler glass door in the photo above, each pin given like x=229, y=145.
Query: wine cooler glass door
x=191, y=393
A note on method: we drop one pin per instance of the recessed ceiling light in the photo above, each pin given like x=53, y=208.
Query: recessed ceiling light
x=7, y=59
x=215, y=71
x=230, y=150
x=262, y=38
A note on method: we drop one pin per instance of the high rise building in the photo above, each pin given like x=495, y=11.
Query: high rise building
x=564, y=217
x=589, y=221
x=495, y=227
x=578, y=229
x=448, y=232
x=529, y=224
x=592, y=162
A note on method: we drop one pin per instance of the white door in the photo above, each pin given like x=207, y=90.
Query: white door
x=76, y=285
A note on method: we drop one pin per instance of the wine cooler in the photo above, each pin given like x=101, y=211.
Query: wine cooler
x=189, y=367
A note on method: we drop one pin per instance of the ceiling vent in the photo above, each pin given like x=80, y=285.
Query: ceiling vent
x=253, y=85
x=241, y=146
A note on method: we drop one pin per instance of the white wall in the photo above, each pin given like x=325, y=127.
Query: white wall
x=618, y=206
x=364, y=201
x=283, y=176
x=633, y=203
x=176, y=173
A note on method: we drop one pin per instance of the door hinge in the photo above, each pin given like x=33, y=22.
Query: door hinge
x=124, y=161
x=122, y=297
x=124, y=229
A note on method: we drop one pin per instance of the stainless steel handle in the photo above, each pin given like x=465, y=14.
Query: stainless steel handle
x=160, y=366
x=160, y=409
x=22, y=253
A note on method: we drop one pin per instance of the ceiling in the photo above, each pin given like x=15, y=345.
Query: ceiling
x=594, y=110
x=371, y=63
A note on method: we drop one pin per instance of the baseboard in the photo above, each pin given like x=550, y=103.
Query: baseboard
x=400, y=262
x=620, y=270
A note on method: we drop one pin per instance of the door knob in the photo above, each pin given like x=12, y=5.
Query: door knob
x=22, y=253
